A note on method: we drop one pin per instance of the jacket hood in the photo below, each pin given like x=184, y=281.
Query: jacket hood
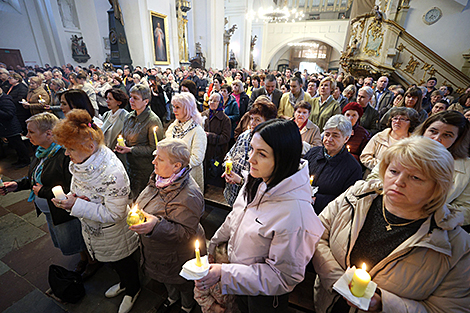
x=294, y=187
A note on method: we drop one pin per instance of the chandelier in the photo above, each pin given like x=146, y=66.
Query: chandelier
x=275, y=15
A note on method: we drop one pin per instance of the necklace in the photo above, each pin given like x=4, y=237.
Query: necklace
x=389, y=226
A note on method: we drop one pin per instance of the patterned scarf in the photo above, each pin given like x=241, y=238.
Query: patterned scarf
x=42, y=155
x=161, y=182
x=179, y=130
x=293, y=101
x=213, y=112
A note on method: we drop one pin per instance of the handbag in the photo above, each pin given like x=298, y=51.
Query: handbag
x=66, y=285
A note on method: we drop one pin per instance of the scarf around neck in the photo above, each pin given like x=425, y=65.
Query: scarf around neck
x=161, y=182
x=293, y=101
x=181, y=129
x=42, y=155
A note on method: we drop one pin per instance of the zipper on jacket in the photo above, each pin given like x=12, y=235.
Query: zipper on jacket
x=350, y=231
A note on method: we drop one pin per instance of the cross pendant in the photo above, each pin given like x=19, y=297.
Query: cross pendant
x=388, y=227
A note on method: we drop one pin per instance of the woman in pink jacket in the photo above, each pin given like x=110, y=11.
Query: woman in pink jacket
x=272, y=231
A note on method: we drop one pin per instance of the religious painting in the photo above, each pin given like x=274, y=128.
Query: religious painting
x=160, y=38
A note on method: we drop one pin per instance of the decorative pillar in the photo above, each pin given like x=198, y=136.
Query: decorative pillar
x=120, y=54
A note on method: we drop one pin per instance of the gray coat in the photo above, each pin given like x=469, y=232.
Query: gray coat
x=138, y=134
x=179, y=208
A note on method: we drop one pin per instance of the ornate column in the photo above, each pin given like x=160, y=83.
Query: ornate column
x=182, y=7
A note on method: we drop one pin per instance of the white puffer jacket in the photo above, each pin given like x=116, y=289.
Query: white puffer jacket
x=103, y=179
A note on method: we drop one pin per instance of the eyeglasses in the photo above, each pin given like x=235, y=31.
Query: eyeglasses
x=400, y=119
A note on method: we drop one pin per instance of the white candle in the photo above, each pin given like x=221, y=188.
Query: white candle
x=59, y=193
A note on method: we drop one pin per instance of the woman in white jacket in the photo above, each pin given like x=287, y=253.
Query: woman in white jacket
x=272, y=231
x=188, y=126
x=99, y=197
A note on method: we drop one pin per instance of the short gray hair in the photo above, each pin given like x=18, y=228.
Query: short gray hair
x=59, y=82
x=341, y=123
x=141, y=90
x=177, y=149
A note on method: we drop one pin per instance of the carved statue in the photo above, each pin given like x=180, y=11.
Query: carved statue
x=229, y=32
x=117, y=10
x=199, y=61
x=232, y=62
x=253, y=42
x=79, y=50
x=378, y=14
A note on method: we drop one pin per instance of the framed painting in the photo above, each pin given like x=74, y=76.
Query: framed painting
x=160, y=38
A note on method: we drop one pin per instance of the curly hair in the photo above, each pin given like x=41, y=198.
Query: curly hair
x=77, y=130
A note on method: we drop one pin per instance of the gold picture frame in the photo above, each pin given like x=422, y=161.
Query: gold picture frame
x=160, y=38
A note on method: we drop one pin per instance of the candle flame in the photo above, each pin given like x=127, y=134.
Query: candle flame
x=120, y=136
x=364, y=266
x=197, y=244
x=135, y=208
x=155, y=128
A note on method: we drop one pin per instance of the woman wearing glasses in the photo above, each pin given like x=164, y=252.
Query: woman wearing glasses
x=401, y=124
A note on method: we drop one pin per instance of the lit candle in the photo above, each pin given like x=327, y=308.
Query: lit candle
x=41, y=100
x=228, y=166
x=359, y=281
x=198, y=255
x=59, y=193
x=135, y=216
x=348, y=148
x=120, y=141
x=155, y=135
x=311, y=179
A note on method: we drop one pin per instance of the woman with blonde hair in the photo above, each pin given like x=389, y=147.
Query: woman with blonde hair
x=420, y=255
x=188, y=125
x=99, y=197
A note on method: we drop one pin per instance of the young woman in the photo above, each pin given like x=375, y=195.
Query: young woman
x=274, y=209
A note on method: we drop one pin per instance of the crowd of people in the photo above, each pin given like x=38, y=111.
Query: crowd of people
x=326, y=169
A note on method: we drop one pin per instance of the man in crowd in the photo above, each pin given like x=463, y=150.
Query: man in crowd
x=312, y=88
x=269, y=89
x=383, y=96
x=291, y=98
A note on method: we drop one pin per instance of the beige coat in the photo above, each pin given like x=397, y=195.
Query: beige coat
x=311, y=134
x=372, y=153
x=196, y=140
x=319, y=115
x=429, y=272
x=33, y=100
x=285, y=108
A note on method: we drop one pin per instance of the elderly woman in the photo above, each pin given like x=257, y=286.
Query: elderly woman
x=272, y=230
x=331, y=167
x=37, y=97
x=325, y=106
x=188, y=125
x=98, y=197
x=139, y=132
x=173, y=205
x=348, y=95
x=370, y=117
x=240, y=96
x=113, y=120
x=57, y=86
x=402, y=230
x=401, y=124
x=18, y=91
x=217, y=127
x=360, y=136
x=452, y=130
x=263, y=110
x=50, y=168
x=413, y=99
x=310, y=132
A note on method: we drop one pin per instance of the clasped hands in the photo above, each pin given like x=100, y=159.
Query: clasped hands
x=69, y=202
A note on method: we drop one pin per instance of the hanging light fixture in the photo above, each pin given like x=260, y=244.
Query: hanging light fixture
x=275, y=15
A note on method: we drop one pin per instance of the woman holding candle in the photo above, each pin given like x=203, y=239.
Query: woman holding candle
x=360, y=136
x=37, y=97
x=188, y=125
x=272, y=230
x=402, y=123
x=401, y=228
x=263, y=110
x=173, y=205
x=333, y=168
x=50, y=168
x=138, y=132
x=113, y=120
x=98, y=197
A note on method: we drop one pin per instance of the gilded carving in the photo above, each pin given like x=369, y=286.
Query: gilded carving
x=411, y=66
x=357, y=30
x=397, y=65
x=400, y=47
x=426, y=66
x=432, y=71
x=374, y=38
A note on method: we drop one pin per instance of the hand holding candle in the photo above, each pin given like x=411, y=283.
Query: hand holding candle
x=59, y=193
x=228, y=166
x=135, y=216
x=198, y=255
x=311, y=180
x=359, y=281
x=120, y=141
